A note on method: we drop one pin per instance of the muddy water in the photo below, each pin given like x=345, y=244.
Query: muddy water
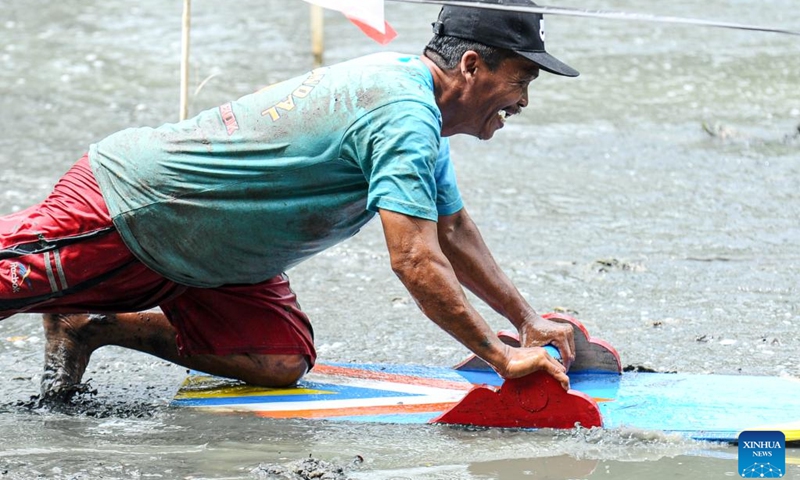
x=655, y=197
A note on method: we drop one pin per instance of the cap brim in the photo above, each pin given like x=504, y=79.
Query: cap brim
x=550, y=63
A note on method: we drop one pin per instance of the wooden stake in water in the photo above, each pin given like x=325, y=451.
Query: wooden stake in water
x=187, y=14
x=317, y=34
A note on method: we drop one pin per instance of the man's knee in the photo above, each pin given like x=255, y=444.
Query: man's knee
x=276, y=370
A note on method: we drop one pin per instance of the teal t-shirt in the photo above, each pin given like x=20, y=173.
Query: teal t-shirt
x=245, y=191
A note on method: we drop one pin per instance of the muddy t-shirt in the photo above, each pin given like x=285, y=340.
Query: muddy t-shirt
x=245, y=191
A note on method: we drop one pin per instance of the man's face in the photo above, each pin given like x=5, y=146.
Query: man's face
x=493, y=96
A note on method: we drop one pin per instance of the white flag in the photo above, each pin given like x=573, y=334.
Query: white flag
x=365, y=14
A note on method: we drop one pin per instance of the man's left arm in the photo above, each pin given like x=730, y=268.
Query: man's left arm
x=477, y=270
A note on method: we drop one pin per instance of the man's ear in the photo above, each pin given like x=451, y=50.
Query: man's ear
x=470, y=63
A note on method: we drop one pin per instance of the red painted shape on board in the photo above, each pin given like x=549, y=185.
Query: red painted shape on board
x=536, y=400
x=533, y=401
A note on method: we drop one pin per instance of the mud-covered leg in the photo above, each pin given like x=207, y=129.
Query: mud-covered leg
x=71, y=340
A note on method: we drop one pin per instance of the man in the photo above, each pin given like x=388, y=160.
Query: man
x=202, y=218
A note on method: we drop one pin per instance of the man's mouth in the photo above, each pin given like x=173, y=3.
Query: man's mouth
x=505, y=113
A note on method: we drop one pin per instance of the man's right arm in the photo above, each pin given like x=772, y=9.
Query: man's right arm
x=425, y=271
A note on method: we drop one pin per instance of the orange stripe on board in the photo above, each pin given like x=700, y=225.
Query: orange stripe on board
x=391, y=377
x=356, y=411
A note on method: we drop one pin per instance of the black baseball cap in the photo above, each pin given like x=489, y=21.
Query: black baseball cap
x=521, y=32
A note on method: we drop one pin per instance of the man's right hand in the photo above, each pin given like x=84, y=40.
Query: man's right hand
x=523, y=361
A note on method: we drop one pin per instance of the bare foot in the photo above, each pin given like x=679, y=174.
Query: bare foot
x=66, y=354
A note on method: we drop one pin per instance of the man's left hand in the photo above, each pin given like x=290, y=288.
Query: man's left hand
x=535, y=331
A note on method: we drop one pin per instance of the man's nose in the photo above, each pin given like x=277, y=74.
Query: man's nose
x=523, y=102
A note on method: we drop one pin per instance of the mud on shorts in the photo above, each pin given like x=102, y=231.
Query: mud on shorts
x=65, y=256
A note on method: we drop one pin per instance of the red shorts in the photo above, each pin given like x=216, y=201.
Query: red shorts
x=65, y=256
